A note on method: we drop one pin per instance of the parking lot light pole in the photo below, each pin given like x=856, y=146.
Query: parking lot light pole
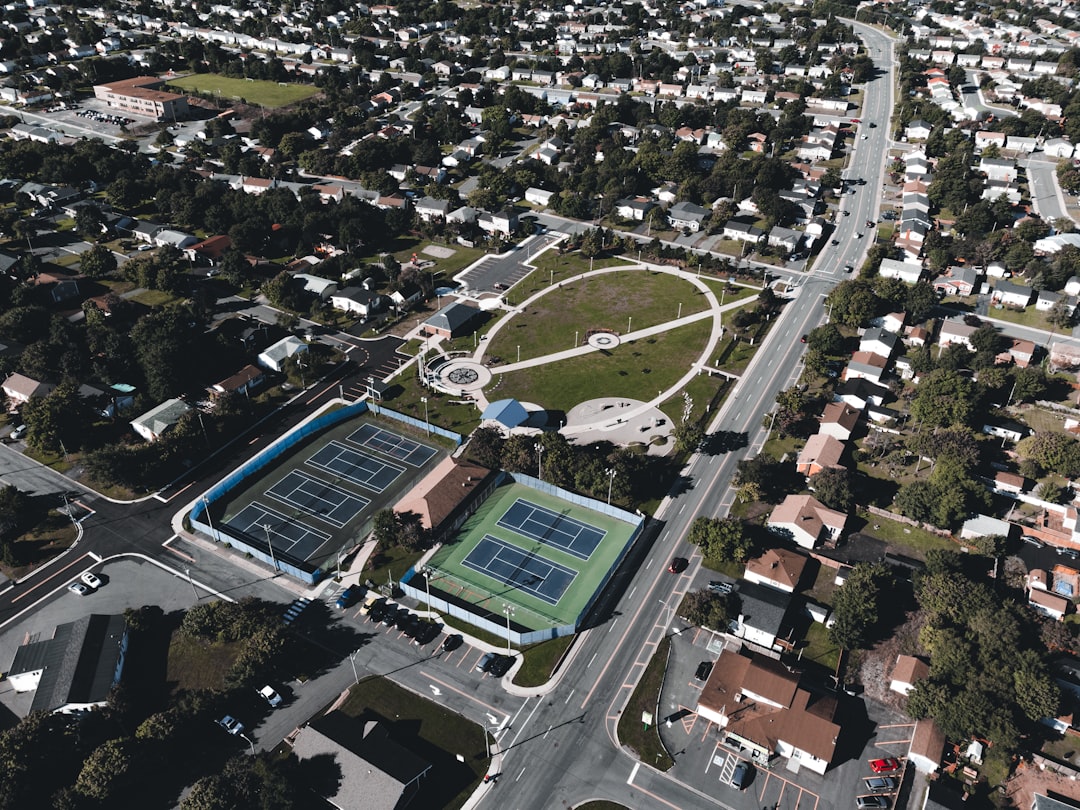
x=509, y=611
x=209, y=521
x=269, y=545
x=427, y=421
x=352, y=660
x=610, y=482
x=539, y=462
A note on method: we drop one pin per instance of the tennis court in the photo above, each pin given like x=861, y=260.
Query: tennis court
x=510, y=565
x=336, y=506
x=360, y=468
x=286, y=536
x=551, y=528
x=392, y=444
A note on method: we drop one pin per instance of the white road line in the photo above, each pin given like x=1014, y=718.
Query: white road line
x=97, y=557
x=569, y=696
x=519, y=775
x=632, y=591
x=648, y=565
x=591, y=660
x=613, y=621
x=633, y=773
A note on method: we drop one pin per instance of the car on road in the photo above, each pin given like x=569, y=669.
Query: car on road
x=871, y=802
x=802, y=339
x=884, y=765
x=347, y=597
x=872, y=125
x=270, y=696
x=485, y=662
x=848, y=268
x=1032, y=541
x=231, y=724
x=703, y=670
x=740, y=777
x=880, y=784
x=834, y=242
x=678, y=565
x=78, y=588
x=858, y=236
x=89, y=578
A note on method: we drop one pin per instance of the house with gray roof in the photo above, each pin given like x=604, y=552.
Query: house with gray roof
x=452, y=320
x=274, y=356
x=75, y=670
x=762, y=613
x=687, y=215
x=156, y=421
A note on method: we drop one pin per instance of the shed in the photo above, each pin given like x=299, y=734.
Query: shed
x=507, y=412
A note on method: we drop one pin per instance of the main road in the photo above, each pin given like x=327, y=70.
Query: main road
x=563, y=749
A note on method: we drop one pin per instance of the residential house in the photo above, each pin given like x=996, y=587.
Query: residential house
x=777, y=568
x=635, y=209
x=169, y=237
x=762, y=614
x=762, y=710
x=686, y=215
x=20, y=389
x=428, y=209
x=208, y=251
x=907, y=672
x=905, y=271
x=318, y=286
x=742, y=231
x=1049, y=604
x=504, y=221
x=880, y=341
x=927, y=746
x=786, y=239
x=358, y=300
x=860, y=393
x=955, y=331
x=158, y=420
x=406, y=296
x=1001, y=169
x=75, y=670
x=1006, y=429
x=806, y=520
x=839, y=420
x=918, y=130
x=244, y=381
x=275, y=355
x=1046, y=300
x=821, y=452
x=538, y=196
x=1009, y=483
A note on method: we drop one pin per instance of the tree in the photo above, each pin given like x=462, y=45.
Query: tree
x=720, y=539
x=916, y=500
x=688, y=436
x=707, y=609
x=1053, y=451
x=826, y=339
x=97, y=262
x=944, y=398
x=833, y=487
x=89, y=221
x=385, y=527
x=853, y=302
x=1031, y=384
x=856, y=608
x=486, y=447
x=107, y=771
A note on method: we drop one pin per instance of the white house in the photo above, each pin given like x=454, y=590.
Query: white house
x=807, y=520
x=155, y=422
x=907, y=672
x=274, y=356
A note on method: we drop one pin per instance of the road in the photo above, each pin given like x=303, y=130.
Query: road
x=1046, y=196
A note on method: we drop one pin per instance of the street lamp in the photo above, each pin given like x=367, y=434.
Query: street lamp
x=352, y=660
x=509, y=611
x=629, y=320
x=539, y=462
x=680, y=311
x=610, y=482
x=191, y=583
x=427, y=421
x=209, y=521
x=269, y=545
x=427, y=571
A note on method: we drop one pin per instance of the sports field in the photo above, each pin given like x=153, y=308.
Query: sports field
x=264, y=94
x=535, y=553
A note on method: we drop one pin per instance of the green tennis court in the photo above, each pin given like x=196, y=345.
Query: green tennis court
x=536, y=573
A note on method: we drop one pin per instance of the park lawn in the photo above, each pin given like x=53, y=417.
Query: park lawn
x=403, y=248
x=461, y=418
x=633, y=370
x=263, y=94
x=646, y=742
x=198, y=664
x=553, y=267
x=435, y=734
x=635, y=298
x=728, y=247
x=701, y=391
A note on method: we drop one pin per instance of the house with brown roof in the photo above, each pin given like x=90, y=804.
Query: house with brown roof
x=763, y=711
x=209, y=251
x=1011, y=483
x=908, y=671
x=777, y=568
x=1020, y=352
x=821, y=452
x=20, y=389
x=806, y=520
x=244, y=381
x=866, y=366
x=447, y=495
x=927, y=746
x=839, y=420
x=1049, y=604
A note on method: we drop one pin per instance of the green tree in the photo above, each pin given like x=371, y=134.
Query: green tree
x=108, y=772
x=857, y=605
x=853, y=303
x=1031, y=384
x=944, y=398
x=833, y=487
x=707, y=609
x=97, y=262
x=1053, y=451
x=720, y=539
x=826, y=339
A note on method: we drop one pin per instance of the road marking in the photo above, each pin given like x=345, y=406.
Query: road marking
x=648, y=565
x=613, y=622
x=633, y=773
x=591, y=660
x=519, y=775
x=631, y=592
x=569, y=696
x=29, y=591
x=435, y=690
x=445, y=685
x=97, y=557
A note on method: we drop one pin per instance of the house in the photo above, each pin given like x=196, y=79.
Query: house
x=879, y=341
x=318, y=286
x=428, y=209
x=905, y=271
x=20, y=389
x=1009, y=293
x=762, y=710
x=1046, y=300
x=807, y=520
x=1021, y=352
x=839, y=420
x=822, y=452
x=452, y=320
x=275, y=355
x=371, y=769
x=1010, y=483
x=777, y=568
x=927, y=746
x=955, y=332
x=986, y=526
x=866, y=366
x=169, y=237
x=957, y=281
x=907, y=672
x=762, y=613
x=504, y=221
x=1006, y=429
x=742, y=231
x=209, y=251
x=1058, y=148
x=156, y=421
x=1049, y=604
x=244, y=381
x=1040, y=801
x=76, y=669
x=360, y=300
x=686, y=215
x=635, y=209
x=859, y=393
x=538, y=196
x=918, y=130
x=406, y=296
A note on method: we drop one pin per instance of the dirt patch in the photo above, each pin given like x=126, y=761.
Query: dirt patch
x=1029, y=779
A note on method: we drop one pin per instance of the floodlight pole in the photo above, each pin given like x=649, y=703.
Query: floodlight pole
x=610, y=482
x=191, y=583
x=509, y=611
x=427, y=421
x=539, y=462
x=209, y=521
x=269, y=545
x=352, y=660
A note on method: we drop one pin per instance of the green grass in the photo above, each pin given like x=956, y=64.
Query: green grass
x=635, y=298
x=701, y=390
x=819, y=649
x=635, y=370
x=197, y=664
x=1029, y=317
x=551, y=268
x=646, y=742
x=463, y=419
x=263, y=94
x=911, y=539
x=390, y=564
x=403, y=248
x=155, y=298
x=540, y=661
x=433, y=733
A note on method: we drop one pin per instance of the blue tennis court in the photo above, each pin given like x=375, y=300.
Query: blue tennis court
x=510, y=565
x=287, y=537
x=552, y=529
x=392, y=444
x=336, y=506
x=352, y=465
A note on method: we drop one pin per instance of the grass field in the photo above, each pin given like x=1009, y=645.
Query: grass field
x=632, y=732
x=197, y=664
x=493, y=595
x=635, y=370
x=264, y=94
x=607, y=301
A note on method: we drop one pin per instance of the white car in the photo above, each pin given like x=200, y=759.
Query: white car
x=78, y=588
x=270, y=696
x=91, y=579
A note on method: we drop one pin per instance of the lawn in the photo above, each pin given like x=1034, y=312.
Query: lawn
x=910, y=539
x=155, y=298
x=635, y=298
x=553, y=267
x=462, y=418
x=646, y=742
x=632, y=370
x=263, y=94
x=701, y=390
x=433, y=733
x=197, y=664
x=1029, y=317
x=819, y=649
x=540, y=661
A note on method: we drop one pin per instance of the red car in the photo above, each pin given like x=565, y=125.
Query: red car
x=884, y=765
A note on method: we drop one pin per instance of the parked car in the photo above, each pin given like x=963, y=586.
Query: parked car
x=428, y=632
x=884, y=765
x=78, y=588
x=703, y=670
x=231, y=724
x=871, y=802
x=485, y=662
x=270, y=696
x=500, y=665
x=17, y=433
x=880, y=784
x=452, y=642
x=347, y=597
x=721, y=587
x=740, y=777
x=90, y=579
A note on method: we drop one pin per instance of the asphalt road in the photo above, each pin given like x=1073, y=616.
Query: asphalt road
x=1046, y=194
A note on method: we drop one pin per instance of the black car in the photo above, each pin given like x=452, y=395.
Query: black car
x=376, y=611
x=740, y=778
x=398, y=618
x=703, y=670
x=348, y=596
x=390, y=614
x=500, y=665
x=427, y=632
x=410, y=625
x=452, y=642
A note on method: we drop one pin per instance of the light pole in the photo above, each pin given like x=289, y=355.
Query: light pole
x=519, y=354
x=680, y=311
x=539, y=462
x=427, y=422
x=610, y=482
x=352, y=660
x=427, y=571
x=191, y=583
x=629, y=320
x=269, y=545
x=509, y=611
x=209, y=521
